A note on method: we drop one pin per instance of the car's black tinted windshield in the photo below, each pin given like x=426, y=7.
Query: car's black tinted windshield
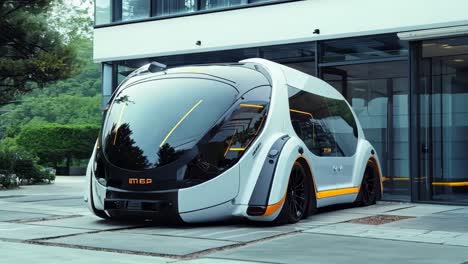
x=151, y=123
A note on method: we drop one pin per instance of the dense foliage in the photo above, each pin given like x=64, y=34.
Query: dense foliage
x=75, y=100
x=17, y=166
x=46, y=67
x=32, y=53
x=52, y=142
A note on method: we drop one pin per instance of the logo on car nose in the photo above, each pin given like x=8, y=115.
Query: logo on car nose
x=140, y=181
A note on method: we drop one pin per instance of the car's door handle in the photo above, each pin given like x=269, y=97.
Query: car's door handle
x=335, y=168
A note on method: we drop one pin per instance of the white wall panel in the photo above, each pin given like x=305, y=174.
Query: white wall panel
x=274, y=24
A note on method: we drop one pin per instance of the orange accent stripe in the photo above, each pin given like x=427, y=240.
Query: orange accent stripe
x=450, y=184
x=336, y=192
x=236, y=149
x=271, y=209
x=251, y=105
x=395, y=179
x=301, y=112
x=180, y=121
x=230, y=143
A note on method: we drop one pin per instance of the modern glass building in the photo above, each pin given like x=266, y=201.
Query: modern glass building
x=403, y=66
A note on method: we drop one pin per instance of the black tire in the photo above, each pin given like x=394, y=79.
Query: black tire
x=298, y=197
x=98, y=213
x=369, y=190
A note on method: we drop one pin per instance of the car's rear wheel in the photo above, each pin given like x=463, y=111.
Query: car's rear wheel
x=296, y=205
x=369, y=190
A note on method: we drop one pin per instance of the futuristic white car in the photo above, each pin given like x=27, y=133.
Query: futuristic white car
x=253, y=139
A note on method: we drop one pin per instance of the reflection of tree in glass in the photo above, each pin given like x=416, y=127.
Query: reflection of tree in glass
x=341, y=110
x=123, y=99
x=124, y=153
x=167, y=154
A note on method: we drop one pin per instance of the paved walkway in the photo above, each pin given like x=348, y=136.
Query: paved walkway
x=50, y=224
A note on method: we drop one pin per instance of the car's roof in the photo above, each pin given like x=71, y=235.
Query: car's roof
x=242, y=76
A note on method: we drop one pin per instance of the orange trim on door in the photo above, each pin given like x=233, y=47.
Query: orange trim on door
x=336, y=192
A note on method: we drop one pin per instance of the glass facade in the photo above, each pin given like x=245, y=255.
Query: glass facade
x=378, y=93
x=108, y=11
x=102, y=12
x=211, y=4
x=422, y=157
x=363, y=48
x=442, y=88
x=135, y=9
x=373, y=74
x=172, y=7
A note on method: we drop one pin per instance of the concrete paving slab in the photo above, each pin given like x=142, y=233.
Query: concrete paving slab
x=342, y=229
x=332, y=218
x=25, y=232
x=38, y=254
x=37, y=198
x=72, y=202
x=379, y=208
x=392, y=233
x=434, y=223
x=422, y=210
x=141, y=243
x=462, y=212
x=44, y=208
x=238, y=233
x=217, y=261
x=13, y=215
x=316, y=248
x=461, y=240
x=84, y=222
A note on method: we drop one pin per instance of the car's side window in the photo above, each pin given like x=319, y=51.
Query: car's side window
x=309, y=113
x=343, y=125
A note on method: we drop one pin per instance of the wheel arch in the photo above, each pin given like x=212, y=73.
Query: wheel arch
x=373, y=163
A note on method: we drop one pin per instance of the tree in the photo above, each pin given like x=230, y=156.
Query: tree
x=63, y=109
x=75, y=100
x=32, y=53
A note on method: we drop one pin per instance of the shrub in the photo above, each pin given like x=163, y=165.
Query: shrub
x=52, y=142
x=19, y=166
x=7, y=180
x=7, y=163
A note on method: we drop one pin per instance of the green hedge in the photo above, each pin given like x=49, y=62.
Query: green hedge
x=53, y=143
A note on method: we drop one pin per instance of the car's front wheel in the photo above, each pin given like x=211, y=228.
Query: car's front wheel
x=296, y=205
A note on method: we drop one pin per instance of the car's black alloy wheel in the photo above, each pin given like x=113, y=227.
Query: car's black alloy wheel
x=297, y=196
x=369, y=188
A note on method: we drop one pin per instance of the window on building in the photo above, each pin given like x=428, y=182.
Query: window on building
x=363, y=48
x=309, y=113
x=172, y=7
x=135, y=9
x=208, y=57
x=103, y=12
x=212, y=4
x=442, y=133
x=298, y=56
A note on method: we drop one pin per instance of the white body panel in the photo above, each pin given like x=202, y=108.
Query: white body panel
x=228, y=194
x=273, y=24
